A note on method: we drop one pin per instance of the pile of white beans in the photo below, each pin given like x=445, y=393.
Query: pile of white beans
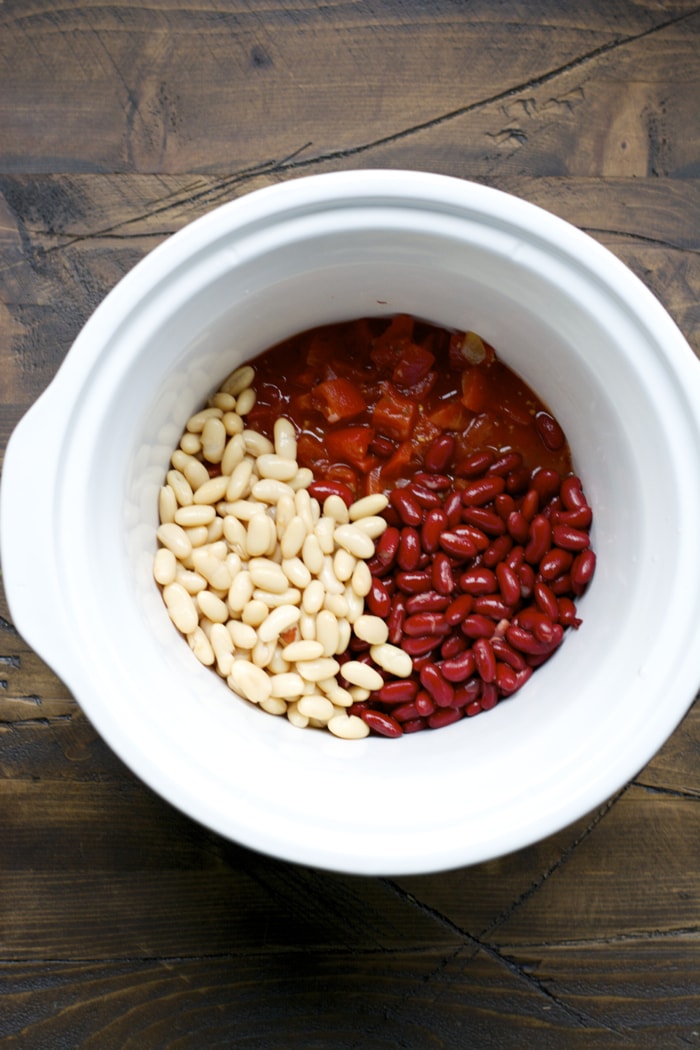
x=266, y=584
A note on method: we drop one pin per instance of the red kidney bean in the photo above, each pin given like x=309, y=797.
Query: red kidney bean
x=401, y=691
x=493, y=606
x=546, y=600
x=497, y=551
x=382, y=446
x=567, y=613
x=439, y=688
x=484, y=659
x=409, y=549
x=550, y=433
x=439, y=454
x=422, y=660
x=530, y=504
x=526, y=575
x=477, y=493
x=378, y=600
x=459, y=608
x=453, y=645
x=459, y=668
x=570, y=539
x=515, y=557
x=580, y=518
x=425, y=705
x=405, y=712
x=489, y=696
x=321, y=490
x=381, y=723
x=467, y=692
x=453, y=509
x=477, y=626
x=474, y=708
x=434, y=524
x=506, y=654
x=486, y=520
x=442, y=577
x=582, y=570
x=395, y=619
x=546, y=484
x=539, y=540
x=506, y=463
x=571, y=493
x=475, y=464
x=554, y=563
x=518, y=526
x=427, y=601
x=413, y=582
x=459, y=544
x=526, y=642
x=506, y=679
x=414, y=726
x=508, y=583
x=445, y=717
x=435, y=482
x=420, y=645
x=561, y=585
x=480, y=540
x=478, y=581
x=426, y=623
x=406, y=506
x=387, y=545
x=504, y=504
x=523, y=676
x=517, y=481
x=537, y=622
x=427, y=499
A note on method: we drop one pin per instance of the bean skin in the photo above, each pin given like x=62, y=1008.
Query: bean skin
x=546, y=600
x=453, y=509
x=567, y=613
x=467, y=693
x=396, y=618
x=497, y=550
x=546, y=483
x=459, y=544
x=571, y=493
x=518, y=527
x=453, y=645
x=488, y=521
x=427, y=499
x=420, y=645
x=476, y=464
x=506, y=463
x=435, y=482
x=477, y=626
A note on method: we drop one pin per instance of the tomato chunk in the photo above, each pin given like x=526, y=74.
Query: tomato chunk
x=413, y=365
x=394, y=415
x=474, y=389
x=351, y=445
x=338, y=399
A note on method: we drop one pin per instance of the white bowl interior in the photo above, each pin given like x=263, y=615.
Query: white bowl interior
x=562, y=317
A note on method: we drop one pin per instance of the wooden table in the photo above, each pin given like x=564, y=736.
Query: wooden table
x=123, y=923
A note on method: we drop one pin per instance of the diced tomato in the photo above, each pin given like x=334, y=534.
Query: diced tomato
x=387, y=347
x=311, y=452
x=396, y=466
x=413, y=365
x=423, y=387
x=338, y=399
x=451, y=415
x=474, y=389
x=394, y=415
x=351, y=445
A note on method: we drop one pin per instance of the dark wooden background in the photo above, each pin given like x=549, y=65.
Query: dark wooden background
x=123, y=924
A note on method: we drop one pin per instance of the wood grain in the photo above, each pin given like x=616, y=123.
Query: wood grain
x=124, y=924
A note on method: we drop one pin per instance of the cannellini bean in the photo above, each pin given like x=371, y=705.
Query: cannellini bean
x=302, y=479
x=313, y=597
x=325, y=527
x=307, y=626
x=268, y=490
x=285, y=438
x=240, y=591
x=193, y=469
x=274, y=705
x=348, y=727
x=233, y=454
x=371, y=629
x=295, y=717
x=284, y=512
x=316, y=706
x=321, y=667
x=327, y=631
x=361, y=581
x=226, y=402
x=242, y=634
x=278, y=665
x=304, y=508
x=214, y=570
x=257, y=444
x=164, y=566
x=357, y=673
x=327, y=576
x=359, y=693
x=296, y=572
x=311, y=554
x=338, y=696
x=212, y=607
x=238, y=380
x=288, y=685
x=181, y=607
x=355, y=605
x=167, y=505
x=335, y=507
x=180, y=486
x=245, y=401
x=254, y=612
x=195, y=514
x=345, y=632
x=291, y=596
x=262, y=653
x=279, y=620
x=201, y=646
x=250, y=681
x=302, y=650
x=193, y=582
x=246, y=509
x=213, y=440
x=392, y=659
x=344, y=564
x=190, y=443
x=212, y=490
x=195, y=424
x=371, y=526
x=239, y=482
x=235, y=535
x=267, y=575
x=368, y=506
x=336, y=604
x=198, y=535
x=270, y=465
x=293, y=537
x=353, y=540
x=233, y=423
x=260, y=536
x=175, y=539
x=215, y=530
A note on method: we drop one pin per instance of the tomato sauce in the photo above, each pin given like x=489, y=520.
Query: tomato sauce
x=369, y=397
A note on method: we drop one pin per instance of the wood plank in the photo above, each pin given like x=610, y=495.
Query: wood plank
x=115, y=87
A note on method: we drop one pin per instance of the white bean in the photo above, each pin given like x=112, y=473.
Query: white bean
x=262, y=653
x=368, y=506
x=279, y=620
x=233, y=423
x=250, y=681
x=296, y=572
x=201, y=646
x=180, y=486
x=260, y=536
x=239, y=481
x=313, y=597
x=321, y=667
x=190, y=443
x=392, y=659
x=193, y=469
x=371, y=526
x=242, y=634
x=357, y=673
x=212, y=490
x=233, y=454
x=240, y=591
x=212, y=607
x=344, y=564
x=181, y=607
x=292, y=596
x=311, y=554
x=238, y=380
x=193, y=582
x=316, y=706
x=164, y=566
x=353, y=540
x=302, y=479
x=254, y=612
x=256, y=444
x=371, y=629
x=235, y=535
x=307, y=627
x=195, y=514
x=361, y=581
x=213, y=440
x=245, y=401
x=223, y=401
x=328, y=578
x=327, y=632
x=175, y=539
x=325, y=527
x=267, y=575
x=198, y=535
x=295, y=717
x=274, y=705
x=335, y=507
x=293, y=537
x=195, y=424
x=270, y=465
x=285, y=438
x=348, y=727
x=302, y=650
x=268, y=490
x=212, y=568
x=167, y=505
x=288, y=685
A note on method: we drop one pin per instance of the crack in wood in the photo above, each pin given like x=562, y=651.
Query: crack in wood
x=596, y=231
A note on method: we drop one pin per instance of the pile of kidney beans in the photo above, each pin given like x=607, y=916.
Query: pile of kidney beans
x=478, y=583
